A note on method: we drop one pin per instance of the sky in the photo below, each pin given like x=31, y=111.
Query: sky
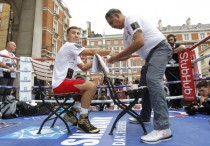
x=171, y=12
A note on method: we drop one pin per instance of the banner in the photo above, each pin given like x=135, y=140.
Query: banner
x=186, y=73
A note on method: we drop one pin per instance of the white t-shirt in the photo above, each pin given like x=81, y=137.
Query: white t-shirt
x=8, y=61
x=152, y=36
x=66, y=58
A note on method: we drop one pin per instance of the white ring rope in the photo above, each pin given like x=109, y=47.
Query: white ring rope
x=105, y=101
x=112, y=68
x=139, y=67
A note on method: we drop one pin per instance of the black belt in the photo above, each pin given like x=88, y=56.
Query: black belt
x=153, y=49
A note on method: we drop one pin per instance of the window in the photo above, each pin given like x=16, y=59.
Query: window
x=202, y=35
x=64, y=35
x=55, y=26
x=65, y=19
x=1, y=7
x=109, y=65
x=204, y=46
x=186, y=37
x=117, y=65
x=92, y=43
x=116, y=42
x=108, y=42
x=124, y=64
x=99, y=42
x=133, y=64
x=54, y=46
x=56, y=9
x=142, y=62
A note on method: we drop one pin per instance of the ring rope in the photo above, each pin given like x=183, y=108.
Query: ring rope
x=119, y=86
x=106, y=101
x=201, y=58
x=199, y=43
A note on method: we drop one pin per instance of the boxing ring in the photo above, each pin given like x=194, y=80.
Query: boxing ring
x=188, y=75
x=187, y=130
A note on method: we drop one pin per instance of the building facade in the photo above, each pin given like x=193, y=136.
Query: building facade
x=6, y=21
x=56, y=19
x=115, y=42
x=205, y=64
x=186, y=34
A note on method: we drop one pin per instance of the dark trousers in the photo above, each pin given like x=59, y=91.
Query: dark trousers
x=5, y=91
x=173, y=74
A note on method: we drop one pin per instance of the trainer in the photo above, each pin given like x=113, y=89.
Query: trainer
x=142, y=37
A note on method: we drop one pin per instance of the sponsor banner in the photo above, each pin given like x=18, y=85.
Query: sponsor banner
x=79, y=138
x=120, y=134
x=186, y=72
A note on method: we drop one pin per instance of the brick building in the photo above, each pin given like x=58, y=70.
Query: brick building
x=6, y=21
x=186, y=34
x=115, y=43
x=56, y=19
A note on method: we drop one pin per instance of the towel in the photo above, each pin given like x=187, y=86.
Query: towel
x=97, y=68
